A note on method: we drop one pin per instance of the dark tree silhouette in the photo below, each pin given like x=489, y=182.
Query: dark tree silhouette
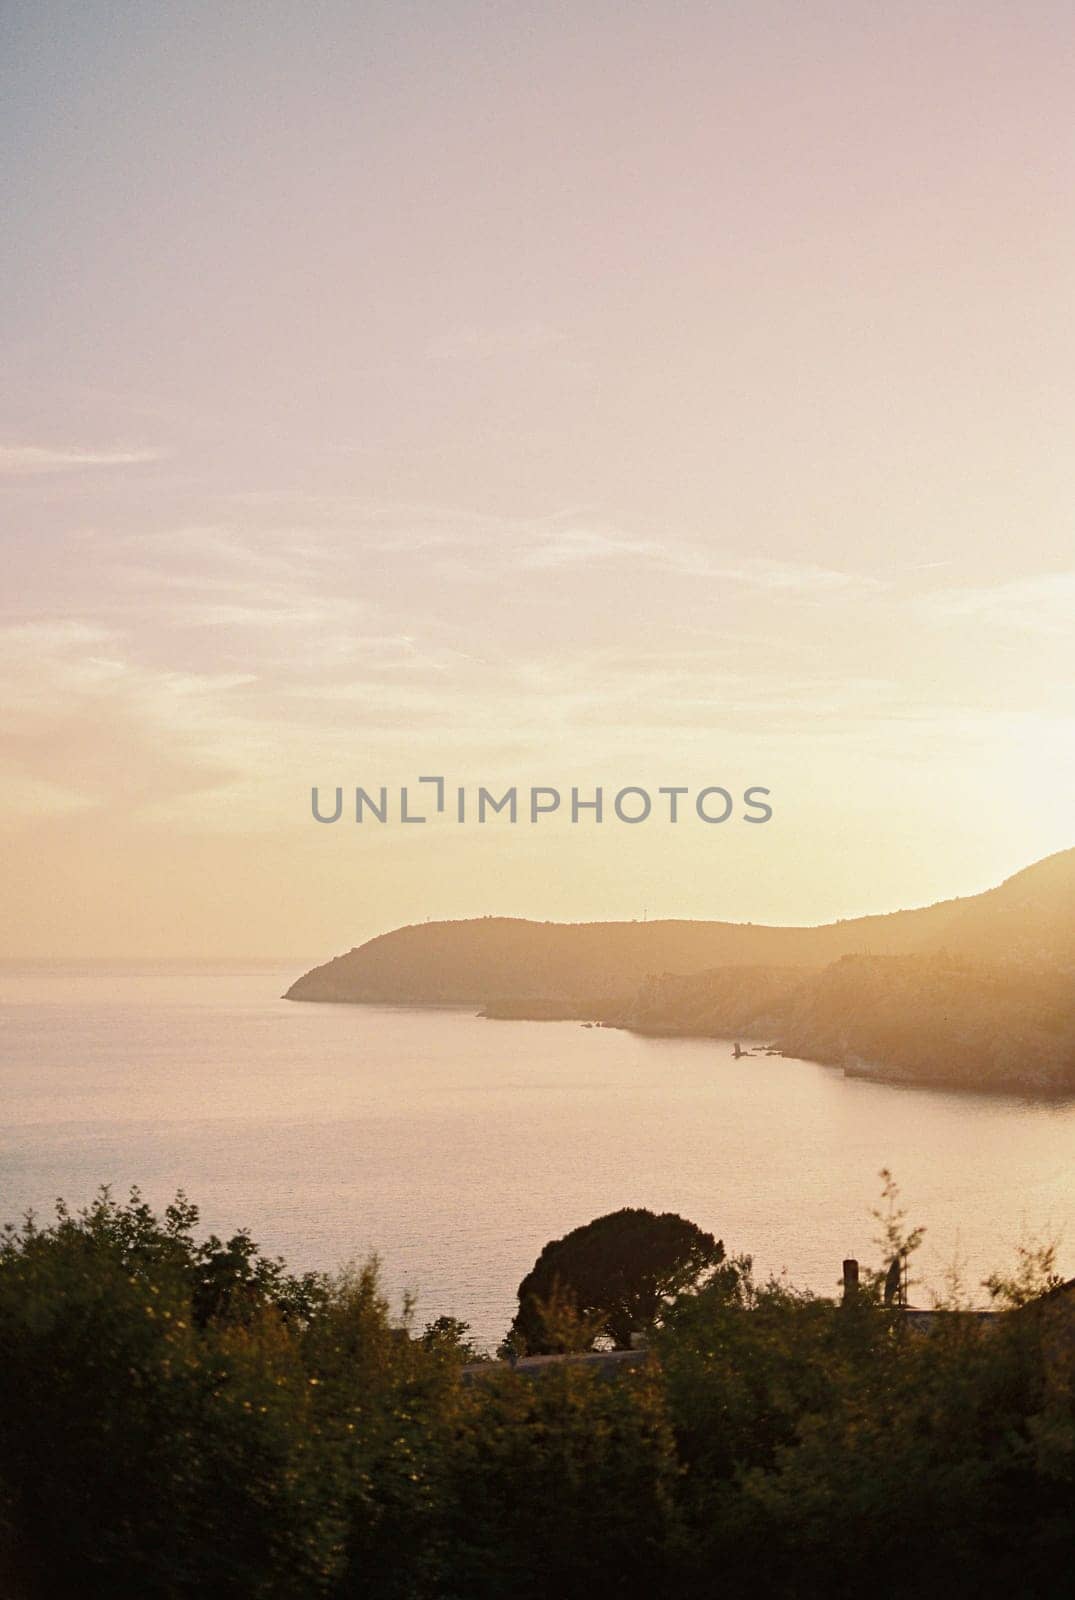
x=616, y=1273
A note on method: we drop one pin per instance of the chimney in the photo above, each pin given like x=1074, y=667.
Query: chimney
x=851, y=1279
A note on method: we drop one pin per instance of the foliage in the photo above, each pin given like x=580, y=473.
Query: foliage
x=182, y=1419
x=553, y=1324
x=617, y=1273
x=1033, y=1276
x=896, y=1241
x=562, y=1485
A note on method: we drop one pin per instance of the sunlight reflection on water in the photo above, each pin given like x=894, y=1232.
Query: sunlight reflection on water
x=455, y=1147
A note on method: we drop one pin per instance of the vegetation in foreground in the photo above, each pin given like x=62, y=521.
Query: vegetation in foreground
x=181, y=1417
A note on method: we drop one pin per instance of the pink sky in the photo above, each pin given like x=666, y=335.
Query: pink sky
x=624, y=394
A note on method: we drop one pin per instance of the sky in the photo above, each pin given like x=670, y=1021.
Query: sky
x=610, y=394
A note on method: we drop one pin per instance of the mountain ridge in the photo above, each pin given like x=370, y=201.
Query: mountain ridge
x=1027, y=918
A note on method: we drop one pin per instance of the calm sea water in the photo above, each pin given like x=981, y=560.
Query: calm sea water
x=455, y=1148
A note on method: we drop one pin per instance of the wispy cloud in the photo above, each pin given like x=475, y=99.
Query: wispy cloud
x=86, y=725
x=582, y=546
x=323, y=530
x=1042, y=604
x=204, y=670
x=30, y=460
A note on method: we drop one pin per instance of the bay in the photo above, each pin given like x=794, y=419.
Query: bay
x=455, y=1148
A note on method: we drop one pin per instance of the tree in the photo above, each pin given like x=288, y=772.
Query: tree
x=896, y=1241
x=451, y=1337
x=616, y=1273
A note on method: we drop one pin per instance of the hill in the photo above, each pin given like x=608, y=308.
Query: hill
x=601, y=966
x=933, y=1019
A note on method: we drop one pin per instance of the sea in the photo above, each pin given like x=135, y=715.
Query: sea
x=454, y=1148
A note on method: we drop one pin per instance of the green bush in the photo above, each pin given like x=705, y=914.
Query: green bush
x=182, y=1418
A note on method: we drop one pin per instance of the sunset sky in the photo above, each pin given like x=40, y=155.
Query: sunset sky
x=568, y=394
